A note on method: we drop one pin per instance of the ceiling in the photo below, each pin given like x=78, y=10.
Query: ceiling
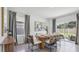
x=45, y=12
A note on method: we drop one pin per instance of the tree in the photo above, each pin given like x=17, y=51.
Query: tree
x=72, y=24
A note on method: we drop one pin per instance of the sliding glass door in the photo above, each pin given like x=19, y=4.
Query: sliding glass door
x=67, y=27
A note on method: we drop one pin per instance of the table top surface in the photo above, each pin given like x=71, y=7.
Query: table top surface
x=9, y=40
x=43, y=38
x=6, y=40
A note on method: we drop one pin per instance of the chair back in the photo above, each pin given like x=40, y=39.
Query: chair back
x=31, y=39
x=52, y=40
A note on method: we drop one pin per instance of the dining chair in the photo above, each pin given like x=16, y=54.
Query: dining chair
x=51, y=43
x=33, y=42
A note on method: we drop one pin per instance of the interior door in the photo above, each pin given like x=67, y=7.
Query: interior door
x=20, y=32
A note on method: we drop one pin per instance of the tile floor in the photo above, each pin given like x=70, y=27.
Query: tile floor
x=64, y=45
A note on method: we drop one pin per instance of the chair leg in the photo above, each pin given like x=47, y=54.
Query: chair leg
x=50, y=49
x=28, y=46
x=38, y=47
x=32, y=49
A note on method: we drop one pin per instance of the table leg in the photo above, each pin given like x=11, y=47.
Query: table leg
x=42, y=45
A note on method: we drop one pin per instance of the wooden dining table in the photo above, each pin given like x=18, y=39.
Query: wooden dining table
x=42, y=38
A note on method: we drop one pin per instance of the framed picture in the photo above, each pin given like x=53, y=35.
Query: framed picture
x=40, y=26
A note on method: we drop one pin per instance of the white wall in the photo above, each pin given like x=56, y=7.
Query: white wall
x=49, y=21
x=34, y=18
